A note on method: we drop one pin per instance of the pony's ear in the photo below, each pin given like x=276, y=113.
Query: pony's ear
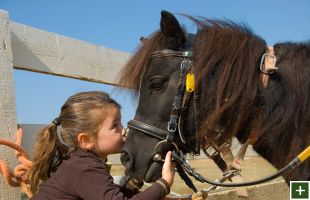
x=172, y=31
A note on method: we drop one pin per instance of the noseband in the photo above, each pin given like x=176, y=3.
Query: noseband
x=155, y=132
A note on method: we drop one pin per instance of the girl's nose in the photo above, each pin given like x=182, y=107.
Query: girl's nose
x=124, y=133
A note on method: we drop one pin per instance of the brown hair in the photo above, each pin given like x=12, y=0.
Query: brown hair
x=82, y=112
x=131, y=74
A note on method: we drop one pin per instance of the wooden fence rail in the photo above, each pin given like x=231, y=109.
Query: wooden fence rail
x=27, y=48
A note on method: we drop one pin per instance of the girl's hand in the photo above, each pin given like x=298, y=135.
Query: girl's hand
x=168, y=169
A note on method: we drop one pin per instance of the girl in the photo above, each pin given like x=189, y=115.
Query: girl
x=70, y=154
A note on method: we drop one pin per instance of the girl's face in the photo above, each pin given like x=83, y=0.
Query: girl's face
x=109, y=139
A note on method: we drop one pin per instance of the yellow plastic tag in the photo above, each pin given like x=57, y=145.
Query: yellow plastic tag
x=190, y=82
x=305, y=154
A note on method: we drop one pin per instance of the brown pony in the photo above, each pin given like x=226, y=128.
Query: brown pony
x=231, y=94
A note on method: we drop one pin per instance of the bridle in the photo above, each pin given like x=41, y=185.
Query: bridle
x=184, y=89
x=180, y=99
x=168, y=136
x=172, y=125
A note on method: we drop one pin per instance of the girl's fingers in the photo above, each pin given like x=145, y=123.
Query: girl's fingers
x=168, y=157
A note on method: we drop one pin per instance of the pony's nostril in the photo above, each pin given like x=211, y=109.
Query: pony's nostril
x=125, y=159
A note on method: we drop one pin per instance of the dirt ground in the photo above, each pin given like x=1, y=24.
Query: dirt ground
x=253, y=168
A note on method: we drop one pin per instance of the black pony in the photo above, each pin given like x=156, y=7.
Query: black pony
x=232, y=96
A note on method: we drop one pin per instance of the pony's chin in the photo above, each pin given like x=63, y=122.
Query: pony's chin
x=153, y=173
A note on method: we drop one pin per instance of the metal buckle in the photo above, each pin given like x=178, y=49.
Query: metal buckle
x=172, y=128
x=226, y=176
x=272, y=67
x=158, y=156
x=186, y=65
x=212, y=149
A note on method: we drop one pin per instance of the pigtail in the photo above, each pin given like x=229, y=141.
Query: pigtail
x=48, y=154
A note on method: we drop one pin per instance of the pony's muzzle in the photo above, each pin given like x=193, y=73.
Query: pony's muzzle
x=126, y=160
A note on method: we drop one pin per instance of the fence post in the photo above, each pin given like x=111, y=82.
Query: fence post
x=7, y=105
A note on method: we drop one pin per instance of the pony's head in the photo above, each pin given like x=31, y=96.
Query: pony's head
x=155, y=71
x=225, y=61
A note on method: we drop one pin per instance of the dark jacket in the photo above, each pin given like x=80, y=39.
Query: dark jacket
x=85, y=176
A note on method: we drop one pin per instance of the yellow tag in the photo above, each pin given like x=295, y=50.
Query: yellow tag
x=305, y=154
x=190, y=82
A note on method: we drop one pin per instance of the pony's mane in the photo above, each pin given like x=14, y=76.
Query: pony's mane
x=232, y=97
x=219, y=73
x=131, y=74
x=287, y=119
x=227, y=57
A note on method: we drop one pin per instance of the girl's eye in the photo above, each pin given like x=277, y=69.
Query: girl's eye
x=157, y=84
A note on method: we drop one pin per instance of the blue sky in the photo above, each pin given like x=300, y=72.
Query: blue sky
x=119, y=25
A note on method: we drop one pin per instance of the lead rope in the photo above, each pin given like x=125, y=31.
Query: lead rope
x=18, y=176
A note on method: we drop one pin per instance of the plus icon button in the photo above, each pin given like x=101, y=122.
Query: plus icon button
x=300, y=190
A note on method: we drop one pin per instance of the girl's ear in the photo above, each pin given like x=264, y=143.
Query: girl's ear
x=86, y=141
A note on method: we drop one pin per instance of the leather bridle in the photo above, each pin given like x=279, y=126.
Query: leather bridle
x=168, y=136
x=172, y=125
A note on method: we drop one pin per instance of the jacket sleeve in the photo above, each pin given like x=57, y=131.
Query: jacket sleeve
x=97, y=184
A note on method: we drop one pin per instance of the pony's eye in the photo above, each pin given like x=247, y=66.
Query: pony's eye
x=157, y=84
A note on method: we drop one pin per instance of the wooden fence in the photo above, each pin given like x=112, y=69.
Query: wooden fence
x=27, y=48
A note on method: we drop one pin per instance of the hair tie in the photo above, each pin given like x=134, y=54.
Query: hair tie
x=56, y=121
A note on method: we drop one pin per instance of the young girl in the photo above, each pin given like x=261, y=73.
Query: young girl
x=70, y=154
